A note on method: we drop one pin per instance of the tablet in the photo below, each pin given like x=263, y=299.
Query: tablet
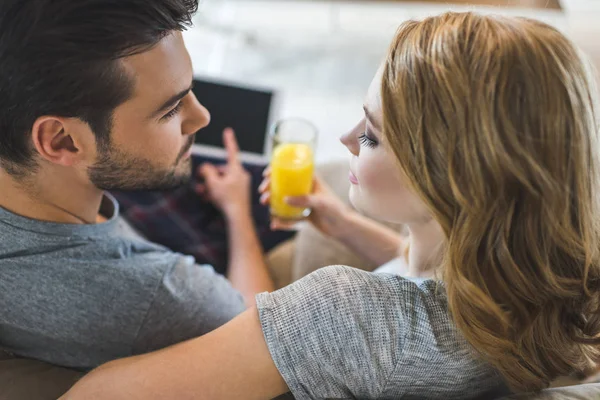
x=250, y=111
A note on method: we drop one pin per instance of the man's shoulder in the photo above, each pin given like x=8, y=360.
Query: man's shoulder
x=121, y=252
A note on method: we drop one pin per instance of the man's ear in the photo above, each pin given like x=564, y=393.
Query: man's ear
x=57, y=139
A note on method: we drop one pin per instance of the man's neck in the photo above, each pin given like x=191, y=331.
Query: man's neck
x=53, y=196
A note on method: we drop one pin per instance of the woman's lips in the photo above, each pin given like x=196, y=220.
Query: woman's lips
x=352, y=178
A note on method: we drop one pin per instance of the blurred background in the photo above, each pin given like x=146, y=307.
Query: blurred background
x=320, y=56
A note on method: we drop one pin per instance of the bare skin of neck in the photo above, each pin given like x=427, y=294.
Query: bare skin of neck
x=425, y=245
x=53, y=194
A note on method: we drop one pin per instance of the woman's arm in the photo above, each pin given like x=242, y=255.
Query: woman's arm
x=367, y=238
x=309, y=332
x=232, y=362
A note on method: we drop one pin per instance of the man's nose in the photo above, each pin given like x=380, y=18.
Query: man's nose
x=198, y=117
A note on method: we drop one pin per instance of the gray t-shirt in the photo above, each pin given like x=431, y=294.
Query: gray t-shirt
x=81, y=295
x=342, y=333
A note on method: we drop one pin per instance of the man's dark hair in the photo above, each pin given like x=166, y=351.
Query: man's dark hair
x=60, y=57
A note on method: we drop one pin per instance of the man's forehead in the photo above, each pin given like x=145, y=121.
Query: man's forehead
x=164, y=68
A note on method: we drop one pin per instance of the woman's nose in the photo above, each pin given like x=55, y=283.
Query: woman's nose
x=350, y=139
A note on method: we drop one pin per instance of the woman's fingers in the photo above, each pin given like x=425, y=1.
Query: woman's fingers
x=265, y=185
x=265, y=199
x=279, y=225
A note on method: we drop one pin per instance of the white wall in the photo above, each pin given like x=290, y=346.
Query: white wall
x=321, y=55
x=583, y=21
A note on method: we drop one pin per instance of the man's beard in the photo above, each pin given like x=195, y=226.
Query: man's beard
x=118, y=171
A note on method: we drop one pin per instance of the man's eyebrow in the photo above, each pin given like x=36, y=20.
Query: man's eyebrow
x=172, y=101
x=371, y=119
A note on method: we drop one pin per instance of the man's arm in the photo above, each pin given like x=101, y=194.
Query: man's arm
x=247, y=270
x=232, y=362
x=228, y=187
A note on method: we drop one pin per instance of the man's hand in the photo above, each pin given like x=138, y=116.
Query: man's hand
x=227, y=186
x=328, y=213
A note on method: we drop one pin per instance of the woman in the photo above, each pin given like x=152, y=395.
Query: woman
x=480, y=135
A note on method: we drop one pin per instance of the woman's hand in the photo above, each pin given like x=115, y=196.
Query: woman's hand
x=227, y=186
x=328, y=214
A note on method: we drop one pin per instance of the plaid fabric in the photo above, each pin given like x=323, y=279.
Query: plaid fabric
x=183, y=222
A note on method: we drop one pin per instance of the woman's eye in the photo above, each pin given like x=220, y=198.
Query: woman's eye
x=367, y=141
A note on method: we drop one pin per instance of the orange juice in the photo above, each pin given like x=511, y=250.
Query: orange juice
x=292, y=169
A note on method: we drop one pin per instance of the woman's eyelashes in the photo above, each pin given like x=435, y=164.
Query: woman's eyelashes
x=367, y=140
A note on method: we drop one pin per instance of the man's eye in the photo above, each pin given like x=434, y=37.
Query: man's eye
x=173, y=112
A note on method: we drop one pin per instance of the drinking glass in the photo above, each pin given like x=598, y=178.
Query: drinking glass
x=293, y=144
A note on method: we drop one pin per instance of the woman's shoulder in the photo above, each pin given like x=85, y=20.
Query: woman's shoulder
x=383, y=300
x=340, y=316
x=343, y=280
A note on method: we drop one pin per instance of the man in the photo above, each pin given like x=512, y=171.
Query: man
x=95, y=96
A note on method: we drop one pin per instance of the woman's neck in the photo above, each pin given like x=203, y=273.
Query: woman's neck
x=425, y=241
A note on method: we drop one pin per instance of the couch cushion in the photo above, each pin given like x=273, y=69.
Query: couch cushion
x=22, y=378
x=578, y=392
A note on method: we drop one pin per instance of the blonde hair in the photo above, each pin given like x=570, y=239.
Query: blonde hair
x=493, y=122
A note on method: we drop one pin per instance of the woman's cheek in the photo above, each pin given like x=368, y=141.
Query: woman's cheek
x=371, y=180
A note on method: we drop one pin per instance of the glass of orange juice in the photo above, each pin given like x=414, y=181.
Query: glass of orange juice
x=292, y=166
